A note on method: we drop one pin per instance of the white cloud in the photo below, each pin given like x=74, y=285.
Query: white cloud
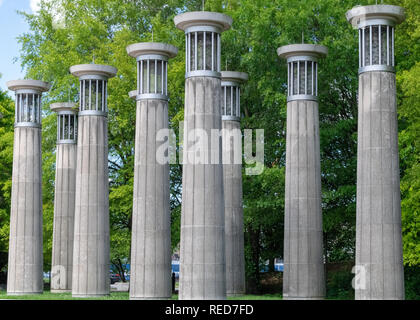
x=35, y=5
x=1, y=2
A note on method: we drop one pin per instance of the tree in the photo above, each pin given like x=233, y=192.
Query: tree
x=7, y=118
x=99, y=31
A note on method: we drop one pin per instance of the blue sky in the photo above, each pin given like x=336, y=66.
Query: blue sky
x=11, y=26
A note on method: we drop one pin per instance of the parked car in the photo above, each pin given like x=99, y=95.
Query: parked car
x=115, y=277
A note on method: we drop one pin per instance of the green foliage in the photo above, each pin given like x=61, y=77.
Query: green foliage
x=339, y=285
x=7, y=118
x=408, y=85
x=100, y=30
x=412, y=283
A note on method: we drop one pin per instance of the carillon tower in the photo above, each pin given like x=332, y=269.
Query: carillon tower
x=25, y=266
x=379, y=261
x=203, y=269
x=64, y=196
x=303, y=276
x=232, y=178
x=150, y=276
x=91, y=259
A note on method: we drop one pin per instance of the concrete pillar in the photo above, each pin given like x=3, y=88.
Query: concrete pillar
x=232, y=180
x=304, y=275
x=91, y=259
x=25, y=266
x=64, y=197
x=150, y=274
x=202, y=249
x=379, y=260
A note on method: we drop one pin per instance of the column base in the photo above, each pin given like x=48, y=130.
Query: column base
x=235, y=294
x=303, y=298
x=150, y=298
x=23, y=293
x=89, y=295
x=60, y=290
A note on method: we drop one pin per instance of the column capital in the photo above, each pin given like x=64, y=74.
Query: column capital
x=231, y=94
x=93, y=87
x=64, y=107
x=234, y=76
x=152, y=68
x=136, y=50
x=384, y=14
x=302, y=69
x=28, y=101
x=133, y=94
x=36, y=86
x=66, y=121
x=89, y=70
x=186, y=20
x=376, y=24
x=304, y=50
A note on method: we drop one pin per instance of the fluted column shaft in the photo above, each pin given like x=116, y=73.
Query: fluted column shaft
x=304, y=276
x=63, y=228
x=25, y=268
x=91, y=257
x=202, y=273
x=151, y=233
x=378, y=220
x=234, y=220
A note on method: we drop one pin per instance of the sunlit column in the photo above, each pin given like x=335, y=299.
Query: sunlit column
x=303, y=276
x=25, y=266
x=379, y=261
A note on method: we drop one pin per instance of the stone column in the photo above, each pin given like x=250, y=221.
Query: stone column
x=25, y=266
x=150, y=274
x=232, y=178
x=91, y=259
x=202, y=249
x=379, y=260
x=304, y=275
x=65, y=190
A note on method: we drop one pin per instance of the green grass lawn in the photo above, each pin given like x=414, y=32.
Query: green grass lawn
x=47, y=295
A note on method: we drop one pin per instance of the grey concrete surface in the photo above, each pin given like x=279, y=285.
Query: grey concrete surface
x=379, y=257
x=64, y=201
x=378, y=218
x=25, y=266
x=232, y=179
x=63, y=226
x=234, y=219
x=25, y=263
x=91, y=258
x=150, y=275
x=144, y=48
x=203, y=18
x=91, y=249
x=202, y=248
x=36, y=85
x=359, y=14
x=202, y=255
x=302, y=49
x=234, y=76
x=93, y=69
x=303, y=276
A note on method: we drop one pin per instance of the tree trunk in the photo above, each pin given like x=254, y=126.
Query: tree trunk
x=120, y=269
